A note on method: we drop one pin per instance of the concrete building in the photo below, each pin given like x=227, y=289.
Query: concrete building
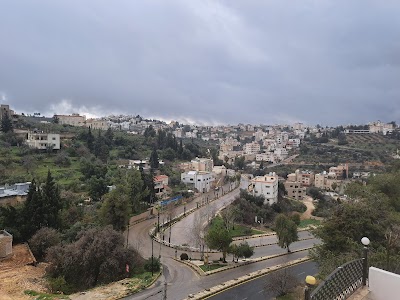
x=14, y=194
x=268, y=156
x=6, y=240
x=202, y=181
x=73, y=120
x=160, y=184
x=252, y=148
x=266, y=186
x=306, y=178
x=5, y=110
x=202, y=164
x=295, y=190
x=97, y=124
x=341, y=171
x=380, y=127
x=281, y=153
x=325, y=180
x=43, y=141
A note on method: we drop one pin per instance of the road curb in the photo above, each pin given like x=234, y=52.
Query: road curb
x=199, y=271
x=231, y=283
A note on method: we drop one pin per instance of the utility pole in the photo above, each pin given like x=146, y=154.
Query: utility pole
x=152, y=257
x=170, y=227
x=165, y=291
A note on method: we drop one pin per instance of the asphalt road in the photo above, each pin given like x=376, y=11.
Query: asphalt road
x=183, y=281
x=254, y=289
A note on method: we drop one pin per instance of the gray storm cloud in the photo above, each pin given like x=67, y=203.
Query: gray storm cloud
x=327, y=62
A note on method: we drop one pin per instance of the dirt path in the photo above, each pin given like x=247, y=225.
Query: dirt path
x=310, y=207
x=16, y=276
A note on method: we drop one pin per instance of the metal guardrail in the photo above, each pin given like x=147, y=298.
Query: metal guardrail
x=341, y=283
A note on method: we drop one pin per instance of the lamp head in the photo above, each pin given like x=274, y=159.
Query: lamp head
x=311, y=280
x=365, y=241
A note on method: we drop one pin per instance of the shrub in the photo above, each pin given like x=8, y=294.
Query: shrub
x=184, y=256
x=155, y=266
x=42, y=240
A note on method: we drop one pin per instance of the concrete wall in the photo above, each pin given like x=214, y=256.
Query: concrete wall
x=5, y=243
x=383, y=285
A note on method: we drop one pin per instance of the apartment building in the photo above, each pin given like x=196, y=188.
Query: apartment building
x=380, y=127
x=266, y=186
x=325, y=180
x=199, y=180
x=202, y=164
x=160, y=184
x=43, y=141
x=73, y=120
x=97, y=124
x=306, y=178
x=295, y=190
x=341, y=171
x=252, y=148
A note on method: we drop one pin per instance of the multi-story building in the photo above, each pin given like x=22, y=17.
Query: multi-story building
x=295, y=190
x=341, y=171
x=380, y=127
x=160, y=184
x=97, y=124
x=266, y=186
x=5, y=110
x=202, y=164
x=43, y=141
x=268, y=156
x=325, y=180
x=252, y=148
x=306, y=178
x=73, y=120
x=281, y=153
x=201, y=181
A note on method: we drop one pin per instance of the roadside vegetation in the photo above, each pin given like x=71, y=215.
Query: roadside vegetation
x=71, y=218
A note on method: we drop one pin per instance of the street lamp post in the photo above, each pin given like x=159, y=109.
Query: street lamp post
x=152, y=257
x=310, y=281
x=365, y=241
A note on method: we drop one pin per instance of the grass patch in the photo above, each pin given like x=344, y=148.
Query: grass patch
x=238, y=230
x=207, y=268
x=308, y=222
x=44, y=296
x=141, y=281
x=287, y=297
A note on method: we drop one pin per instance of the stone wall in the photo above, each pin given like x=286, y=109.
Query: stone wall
x=5, y=243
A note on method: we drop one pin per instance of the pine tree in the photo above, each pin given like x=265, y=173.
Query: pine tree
x=90, y=140
x=6, y=123
x=154, y=164
x=33, y=211
x=51, y=201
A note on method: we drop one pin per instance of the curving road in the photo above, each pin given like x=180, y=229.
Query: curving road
x=181, y=279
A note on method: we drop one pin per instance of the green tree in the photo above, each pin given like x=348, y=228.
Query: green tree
x=154, y=163
x=219, y=238
x=115, y=209
x=42, y=240
x=136, y=189
x=90, y=139
x=99, y=256
x=6, y=123
x=51, y=202
x=97, y=188
x=286, y=231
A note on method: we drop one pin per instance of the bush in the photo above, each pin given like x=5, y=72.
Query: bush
x=156, y=265
x=59, y=285
x=42, y=240
x=295, y=218
x=184, y=256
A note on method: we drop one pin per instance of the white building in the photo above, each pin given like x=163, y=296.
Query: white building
x=268, y=156
x=202, y=181
x=43, y=141
x=266, y=186
x=252, y=148
x=281, y=153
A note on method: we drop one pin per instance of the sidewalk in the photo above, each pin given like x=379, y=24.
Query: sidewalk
x=361, y=294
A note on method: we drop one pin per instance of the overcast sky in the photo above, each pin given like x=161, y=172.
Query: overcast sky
x=250, y=61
